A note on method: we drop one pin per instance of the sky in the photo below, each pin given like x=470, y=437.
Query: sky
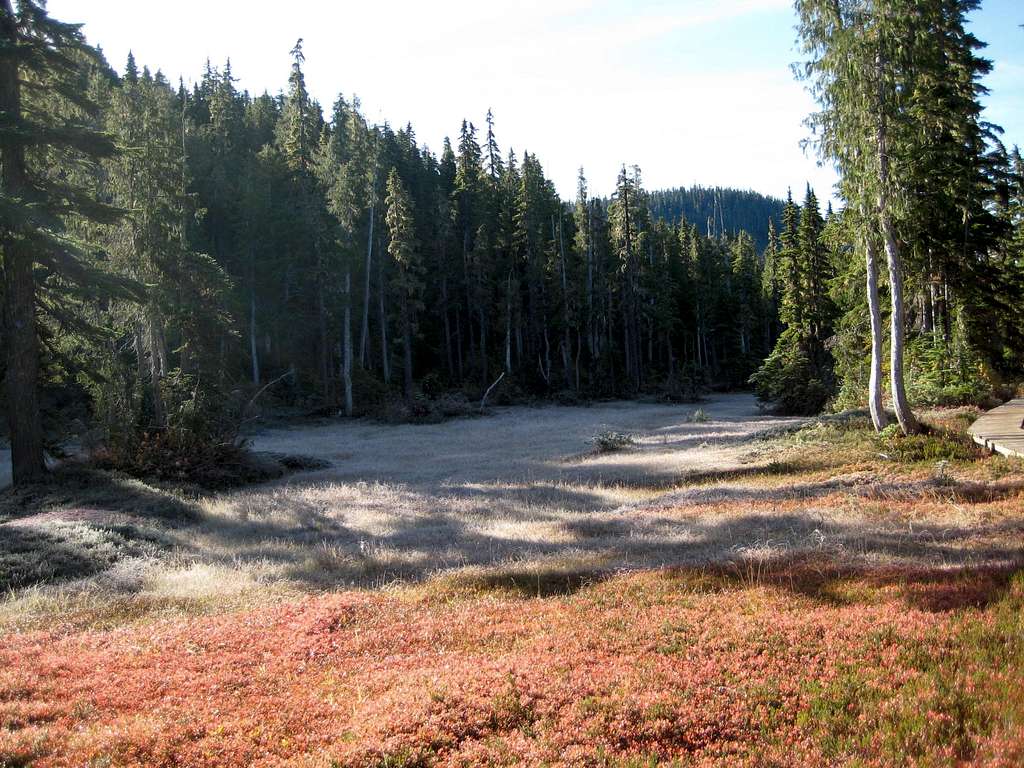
x=692, y=91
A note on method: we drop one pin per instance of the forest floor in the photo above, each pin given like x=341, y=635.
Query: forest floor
x=736, y=590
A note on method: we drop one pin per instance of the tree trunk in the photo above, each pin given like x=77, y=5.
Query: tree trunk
x=253, y=347
x=519, y=341
x=904, y=414
x=19, y=289
x=346, y=341
x=627, y=347
x=141, y=366
x=566, y=334
x=483, y=346
x=547, y=355
x=878, y=415
x=385, y=355
x=579, y=348
x=407, y=354
x=155, y=370
x=325, y=349
x=447, y=328
x=22, y=367
x=365, y=332
x=908, y=422
x=467, y=283
x=508, y=325
x=458, y=337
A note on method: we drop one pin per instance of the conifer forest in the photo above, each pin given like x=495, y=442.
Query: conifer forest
x=168, y=246
x=331, y=447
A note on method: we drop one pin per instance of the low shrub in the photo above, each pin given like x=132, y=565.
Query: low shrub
x=932, y=444
x=369, y=394
x=946, y=373
x=685, y=385
x=179, y=457
x=610, y=441
x=567, y=397
x=195, y=441
x=426, y=410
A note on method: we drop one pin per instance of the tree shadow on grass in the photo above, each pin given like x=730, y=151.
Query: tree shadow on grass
x=568, y=538
x=79, y=522
x=667, y=478
x=61, y=551
x=79, y=487
x=792, y=551
x=527, y=582
x=834, y=581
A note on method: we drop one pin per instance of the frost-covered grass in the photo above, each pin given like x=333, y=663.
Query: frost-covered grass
x=522, y=489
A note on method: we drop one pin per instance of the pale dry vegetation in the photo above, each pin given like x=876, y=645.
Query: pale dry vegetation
x=521, y=494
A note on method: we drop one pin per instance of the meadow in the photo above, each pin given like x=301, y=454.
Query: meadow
x=718, y=587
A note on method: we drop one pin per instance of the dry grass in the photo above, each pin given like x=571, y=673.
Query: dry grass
x=520, y=491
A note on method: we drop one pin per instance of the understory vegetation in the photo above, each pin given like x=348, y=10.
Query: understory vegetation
x=799, y=664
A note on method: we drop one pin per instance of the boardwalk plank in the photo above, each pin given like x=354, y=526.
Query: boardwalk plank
x=1001, y=429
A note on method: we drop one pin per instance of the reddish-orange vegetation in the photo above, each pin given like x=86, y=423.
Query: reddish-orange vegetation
x=798, y=664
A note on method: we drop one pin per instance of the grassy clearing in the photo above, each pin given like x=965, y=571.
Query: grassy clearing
x=528, y=497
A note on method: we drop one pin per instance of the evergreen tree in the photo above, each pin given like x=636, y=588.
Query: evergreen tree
x=174, y=331
x=897, y=83
x=746, y=282
x=404, y=250
x=815, y=272
x=307, y=252
x=628, y=217
x=797, y=377
x=308, y=280
x=45, y=127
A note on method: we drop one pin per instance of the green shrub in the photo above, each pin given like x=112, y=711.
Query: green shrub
x=941, y=373
x=368, y=392
x=432, y=385
x=933, y=444
x=685, y=385
x=425, y=410
x=610, y=441
x=196, y=442
x=790, y=381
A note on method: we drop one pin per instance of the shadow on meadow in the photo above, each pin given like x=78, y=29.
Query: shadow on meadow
x=81, y=522
x=829, y=581
x=539, y=539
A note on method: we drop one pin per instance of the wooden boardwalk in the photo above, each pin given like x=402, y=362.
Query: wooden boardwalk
x=1002, y=429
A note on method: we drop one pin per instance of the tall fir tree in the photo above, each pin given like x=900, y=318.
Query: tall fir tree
x=47, y=126
x=404, y=250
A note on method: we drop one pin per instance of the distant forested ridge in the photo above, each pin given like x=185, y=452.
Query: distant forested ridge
x=719, y=210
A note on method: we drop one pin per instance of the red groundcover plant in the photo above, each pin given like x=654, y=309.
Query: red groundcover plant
x=810, y=666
